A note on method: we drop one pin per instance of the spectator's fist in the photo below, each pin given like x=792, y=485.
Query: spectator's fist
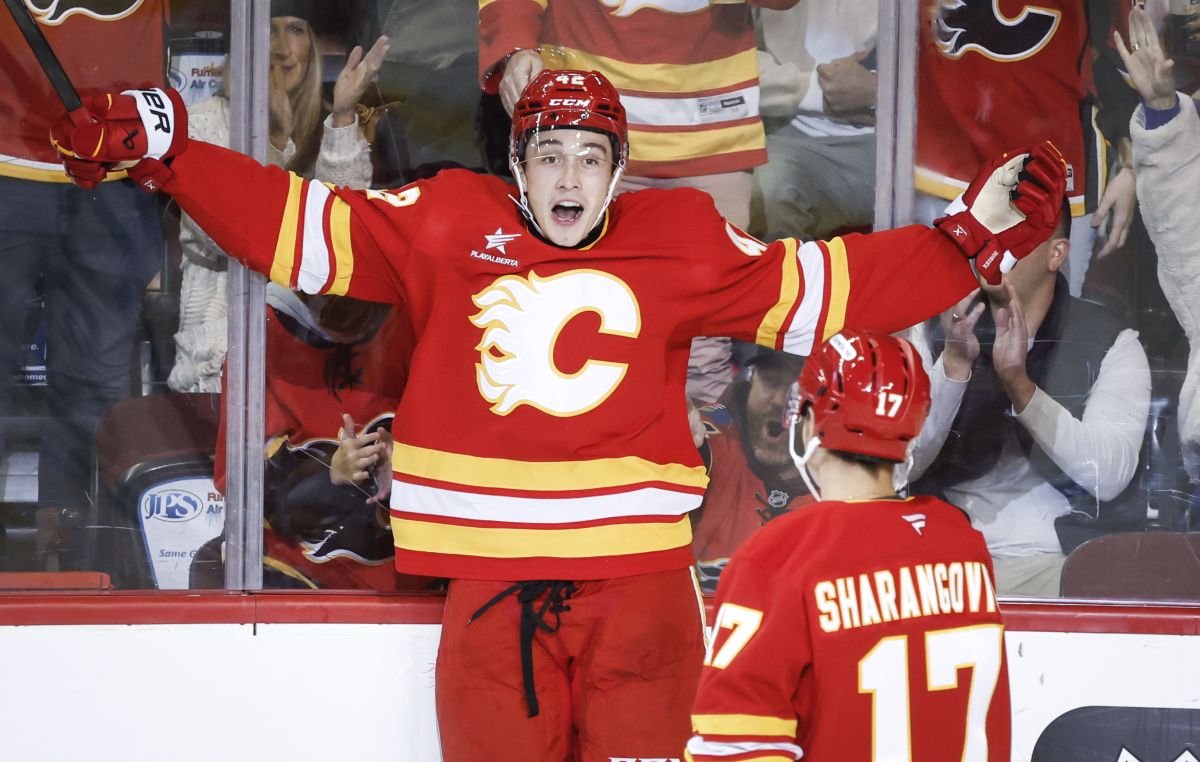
x=1008, y=210
x=137, y=127
x=521, y=67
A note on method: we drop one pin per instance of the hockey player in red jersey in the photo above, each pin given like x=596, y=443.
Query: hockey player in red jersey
x=864, y=626
x=545, y=464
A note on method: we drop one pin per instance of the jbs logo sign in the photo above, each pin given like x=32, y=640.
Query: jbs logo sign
x=571, y=102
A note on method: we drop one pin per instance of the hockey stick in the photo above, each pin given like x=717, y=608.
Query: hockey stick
x=49, y=62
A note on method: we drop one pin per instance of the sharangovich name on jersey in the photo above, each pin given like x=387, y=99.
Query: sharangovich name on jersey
x=909, y=592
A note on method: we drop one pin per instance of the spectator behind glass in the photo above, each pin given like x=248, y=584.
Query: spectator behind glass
x=1166, y=152
x=330, y=148
x=92, y=252
x=335, y=372
x=818, y=102
x=688, y=77
x=751, y=477
x=1040, y=402
x=992, y=76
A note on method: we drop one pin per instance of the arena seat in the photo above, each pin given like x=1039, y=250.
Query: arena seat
x=1135, y=565
x=156, y=504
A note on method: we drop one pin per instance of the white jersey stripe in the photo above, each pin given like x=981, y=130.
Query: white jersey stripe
x=434, y=501
x=314, y=257
x=802, y=332
x=697, y=745
x=689, y=112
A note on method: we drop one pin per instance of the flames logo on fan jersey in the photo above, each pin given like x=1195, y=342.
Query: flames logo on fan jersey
x=624, y=8
x=54, y=12
x=521, y=320
x=978, y=25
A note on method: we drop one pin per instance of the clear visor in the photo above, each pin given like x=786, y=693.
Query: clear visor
x=584, y=150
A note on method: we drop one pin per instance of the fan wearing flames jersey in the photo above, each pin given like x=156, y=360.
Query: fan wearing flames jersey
x=751, y=477
x=332, y=363
x=90, y=254
x=864, y=610
x=546, y=464
x=975, y=61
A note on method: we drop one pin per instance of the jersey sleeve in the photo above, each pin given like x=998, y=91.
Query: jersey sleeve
x=792, y=295
x=506, y=26
x=744, y=706
x=304, y=235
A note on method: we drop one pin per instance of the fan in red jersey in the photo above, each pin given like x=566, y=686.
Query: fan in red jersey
x=545, y=464
x=863, y=610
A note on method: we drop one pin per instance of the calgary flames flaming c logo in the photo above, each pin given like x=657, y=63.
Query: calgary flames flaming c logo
x=521, y=320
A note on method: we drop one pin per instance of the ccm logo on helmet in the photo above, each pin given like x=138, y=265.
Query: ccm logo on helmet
x=576, y=102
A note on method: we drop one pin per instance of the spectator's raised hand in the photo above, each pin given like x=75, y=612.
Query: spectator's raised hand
x=520, y=68
x=357, y=454
x=383, y=471
x=359, y=72
x=1119, y=200
x=962, y=346
x=848, y=86
x=1147, y=65
x=1011, y=347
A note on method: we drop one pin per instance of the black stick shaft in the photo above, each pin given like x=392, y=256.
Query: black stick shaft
x=45, y=55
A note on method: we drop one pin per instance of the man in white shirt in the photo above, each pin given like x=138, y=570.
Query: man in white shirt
x=817, y=87
x=1040, y=403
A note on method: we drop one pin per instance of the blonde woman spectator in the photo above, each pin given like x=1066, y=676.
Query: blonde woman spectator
x=304, y=138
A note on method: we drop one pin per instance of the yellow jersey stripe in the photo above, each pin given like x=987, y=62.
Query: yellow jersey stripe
x=839, y=288
x=485, y=3
x=742, y=725
x=547, y=476
x=678, y=146
x=343, y=254
x=22, y=172
x=285, y=244
x=497, y=542
x=660, y=77
x=789, y=291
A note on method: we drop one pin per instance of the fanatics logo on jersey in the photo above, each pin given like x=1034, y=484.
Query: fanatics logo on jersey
x=497, y=241
x=1128, y=756
x=916, y=520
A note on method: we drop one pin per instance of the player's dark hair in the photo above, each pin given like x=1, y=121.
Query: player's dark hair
x=1063, y=229
x=866, y=460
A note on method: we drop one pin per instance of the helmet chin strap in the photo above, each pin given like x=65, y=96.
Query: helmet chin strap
x=801, y=461
x=902, y=470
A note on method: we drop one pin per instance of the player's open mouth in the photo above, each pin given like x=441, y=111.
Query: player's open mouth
x=566, y=212
x=774, y=429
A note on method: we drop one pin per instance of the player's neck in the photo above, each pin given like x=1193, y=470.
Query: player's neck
x=841, y=479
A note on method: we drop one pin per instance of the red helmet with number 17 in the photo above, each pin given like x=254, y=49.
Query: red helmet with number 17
x=869, y=394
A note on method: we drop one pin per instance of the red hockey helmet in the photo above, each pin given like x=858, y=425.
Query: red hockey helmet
x=557, y=98
x=869, y=394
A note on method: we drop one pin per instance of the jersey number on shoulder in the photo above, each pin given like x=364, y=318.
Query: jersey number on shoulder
x=406, y=197
x=883, y=673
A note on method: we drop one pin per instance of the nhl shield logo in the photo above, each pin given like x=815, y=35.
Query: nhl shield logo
x=54, y=12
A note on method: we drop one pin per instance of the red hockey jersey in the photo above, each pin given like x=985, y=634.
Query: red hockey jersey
x=994, y=75
x=857, y=631
x=103, y=46
x=545, y=433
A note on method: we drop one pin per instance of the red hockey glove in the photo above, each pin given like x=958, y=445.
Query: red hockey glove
x=1009, y=209
x=140, y=126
